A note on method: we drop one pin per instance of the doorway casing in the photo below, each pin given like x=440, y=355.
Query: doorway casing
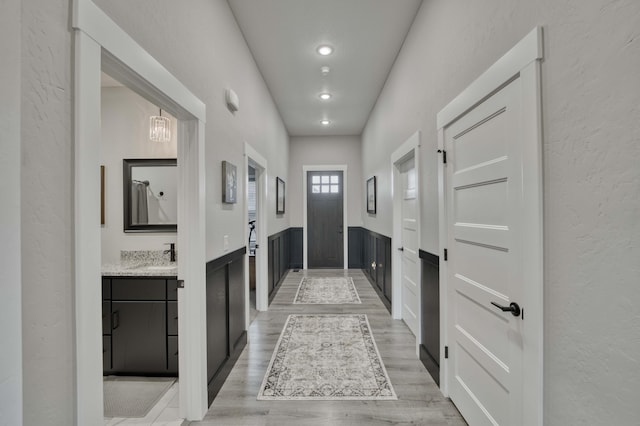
x=410, y=148
x=523, y=62
x=100, y=45
x=322, y=168
x=256, y=160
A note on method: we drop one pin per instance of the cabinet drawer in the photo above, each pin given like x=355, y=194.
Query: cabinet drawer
x=172, y=353
x=138, y=289
x=172, y=318
x=172, y=289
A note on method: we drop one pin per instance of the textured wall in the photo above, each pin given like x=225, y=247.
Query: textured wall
x=203, y=47
x=307, y=151
x=125, y=134
x=10, y=302
x=591, y=102
x=47, y=213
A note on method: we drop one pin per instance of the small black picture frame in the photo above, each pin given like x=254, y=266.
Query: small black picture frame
x=279, y=196
x=229, y=183
x=371, y=195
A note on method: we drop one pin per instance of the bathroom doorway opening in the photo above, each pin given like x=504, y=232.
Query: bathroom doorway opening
x=101, y=46
x=256, y=233
x=252, y=207
x=139, y=235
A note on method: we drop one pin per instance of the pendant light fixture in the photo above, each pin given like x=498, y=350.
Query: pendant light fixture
x=159, y=128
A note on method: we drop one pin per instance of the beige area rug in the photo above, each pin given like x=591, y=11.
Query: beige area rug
x=327, y=291
x=326, y=357
x=133, y=396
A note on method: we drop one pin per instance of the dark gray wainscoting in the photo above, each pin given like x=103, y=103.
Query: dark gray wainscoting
x=278, y=260
x=376, y=256
x=226, y=336
x=430, y=312
x=356, y=249
x=296, y=250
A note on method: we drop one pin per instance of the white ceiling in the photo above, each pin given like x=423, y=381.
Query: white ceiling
x=283, y=36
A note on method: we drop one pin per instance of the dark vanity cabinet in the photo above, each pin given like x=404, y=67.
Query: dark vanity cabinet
x=139, y=322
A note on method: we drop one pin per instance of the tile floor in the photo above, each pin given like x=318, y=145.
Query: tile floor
x=164, y=413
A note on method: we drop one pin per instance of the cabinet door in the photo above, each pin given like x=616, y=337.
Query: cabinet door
x=139, y=337
x=172, y=318
x=172, y=349
x=106, y=354
x=106, y=318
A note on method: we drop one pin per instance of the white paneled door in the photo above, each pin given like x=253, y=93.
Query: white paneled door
x=410, y=261
x=484, y=195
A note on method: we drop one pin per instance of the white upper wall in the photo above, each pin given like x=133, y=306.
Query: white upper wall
x=329, y=150
x=11, y=300
x=125, y=134
x=591, y=115
x=201, y=45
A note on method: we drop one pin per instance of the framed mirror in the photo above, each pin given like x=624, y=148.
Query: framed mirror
x=150, y=188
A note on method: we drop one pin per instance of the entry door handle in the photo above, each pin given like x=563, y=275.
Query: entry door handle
x=513, y=307
x=340, y=229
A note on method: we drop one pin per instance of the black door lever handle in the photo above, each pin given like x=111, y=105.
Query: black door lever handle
x=513, y=307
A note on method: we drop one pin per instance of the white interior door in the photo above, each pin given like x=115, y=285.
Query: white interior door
x=484, y=194
x=410, y=272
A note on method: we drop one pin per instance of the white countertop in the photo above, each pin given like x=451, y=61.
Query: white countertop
x=140, y=269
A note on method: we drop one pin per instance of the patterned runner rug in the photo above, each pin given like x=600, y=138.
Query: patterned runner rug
x=326, y=357
x=326, y=291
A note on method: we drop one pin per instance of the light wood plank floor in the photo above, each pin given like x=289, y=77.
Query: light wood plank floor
x=419, y=399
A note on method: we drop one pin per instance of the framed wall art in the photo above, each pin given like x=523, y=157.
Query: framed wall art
x=279, y=196
x=229, y=183
x=371, y=195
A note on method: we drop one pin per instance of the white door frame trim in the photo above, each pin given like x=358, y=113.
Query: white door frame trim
x=522, y=61
x=410, y=148
x=322, y=168
x=251, y=156
x=99, y=42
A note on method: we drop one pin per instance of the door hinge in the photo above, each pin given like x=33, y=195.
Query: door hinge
x=446, y=255
x=446, y=352
x=180, y=283
x=444, y=155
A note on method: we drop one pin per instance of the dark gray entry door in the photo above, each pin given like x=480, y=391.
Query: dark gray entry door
x=325, y=219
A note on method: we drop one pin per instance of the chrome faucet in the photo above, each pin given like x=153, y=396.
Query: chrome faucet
x=171, y=251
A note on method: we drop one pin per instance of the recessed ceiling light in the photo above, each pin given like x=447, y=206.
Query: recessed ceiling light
x=325, y=122
x=325, y=50
x=325, y=70
x=325, y=96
